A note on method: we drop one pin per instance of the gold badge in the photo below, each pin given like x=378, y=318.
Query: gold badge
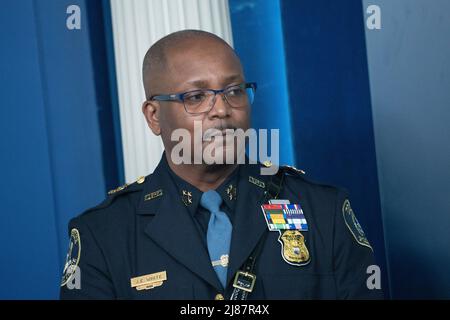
x=293, y=247
x=149, y=281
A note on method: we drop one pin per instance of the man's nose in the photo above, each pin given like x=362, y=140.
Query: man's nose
x=220, y=107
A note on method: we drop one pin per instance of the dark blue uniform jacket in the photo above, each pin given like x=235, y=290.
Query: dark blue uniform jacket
x=145, y=228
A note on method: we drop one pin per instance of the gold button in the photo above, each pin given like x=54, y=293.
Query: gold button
x=140, y=180
x=267, y=163
x=219, y=297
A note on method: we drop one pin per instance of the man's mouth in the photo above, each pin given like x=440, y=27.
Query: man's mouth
x=213, y=132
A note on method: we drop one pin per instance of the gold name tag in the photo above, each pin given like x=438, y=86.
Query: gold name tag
x=149, y=281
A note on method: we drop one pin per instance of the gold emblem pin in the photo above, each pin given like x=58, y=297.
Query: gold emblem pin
x=149, y=281
x=267, y=163
x=140, y=180
x=294, y=250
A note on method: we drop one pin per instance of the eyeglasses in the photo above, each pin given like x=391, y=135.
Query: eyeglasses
x=201, y=101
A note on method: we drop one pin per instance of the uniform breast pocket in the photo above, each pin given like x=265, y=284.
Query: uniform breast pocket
x=299, y=287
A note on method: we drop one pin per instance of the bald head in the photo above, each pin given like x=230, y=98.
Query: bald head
x=157, y=59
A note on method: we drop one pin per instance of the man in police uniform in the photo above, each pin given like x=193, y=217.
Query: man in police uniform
x=221, y=231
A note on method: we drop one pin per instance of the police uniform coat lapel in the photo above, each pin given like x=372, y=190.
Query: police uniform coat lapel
x=173, y=228
x=249, y=224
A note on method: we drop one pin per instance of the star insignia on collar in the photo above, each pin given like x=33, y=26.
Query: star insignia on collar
x=186, y=197
x=231, y=192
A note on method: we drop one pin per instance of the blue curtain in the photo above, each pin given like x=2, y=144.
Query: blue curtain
x=59, y=142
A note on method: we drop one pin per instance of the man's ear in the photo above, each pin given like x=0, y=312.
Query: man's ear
x=150, y=109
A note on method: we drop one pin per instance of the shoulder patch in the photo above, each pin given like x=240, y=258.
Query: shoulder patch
x=73, y=257
x=122, y=190
x=353, y=225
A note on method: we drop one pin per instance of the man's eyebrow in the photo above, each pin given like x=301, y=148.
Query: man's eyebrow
x=232, y=78
x=198, y=83
x=204, y=83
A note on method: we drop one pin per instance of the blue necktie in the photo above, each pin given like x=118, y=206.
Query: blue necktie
x=218, y=236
